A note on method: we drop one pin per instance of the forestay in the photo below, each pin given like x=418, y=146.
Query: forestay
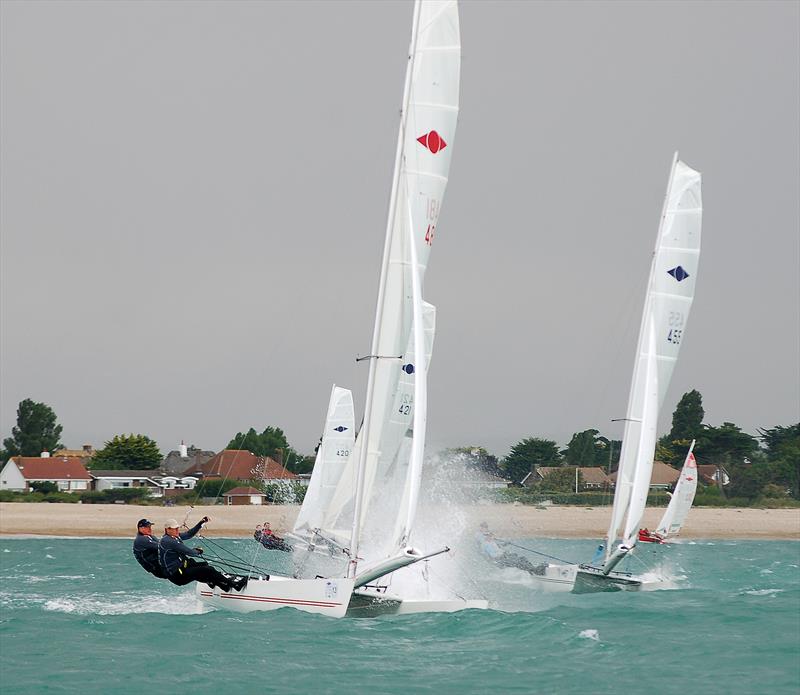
x=671, y=286
x=393, y=431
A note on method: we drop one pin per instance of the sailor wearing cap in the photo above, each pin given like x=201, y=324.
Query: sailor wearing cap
x=178, y=565
x=145, y=547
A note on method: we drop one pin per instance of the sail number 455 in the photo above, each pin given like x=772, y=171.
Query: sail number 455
x=675, y=320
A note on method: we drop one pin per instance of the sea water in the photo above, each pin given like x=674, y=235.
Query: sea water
x=79, y=615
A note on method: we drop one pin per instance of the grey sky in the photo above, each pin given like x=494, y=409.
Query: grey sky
x=194, y=200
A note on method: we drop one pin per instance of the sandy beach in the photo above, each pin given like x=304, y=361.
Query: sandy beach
x=510, y=521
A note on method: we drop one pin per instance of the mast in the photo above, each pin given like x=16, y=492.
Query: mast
x=374, y=357
x=420, y=391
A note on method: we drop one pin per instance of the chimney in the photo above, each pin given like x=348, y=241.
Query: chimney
x=45, y=455
x=88, y=448
x=184, y=451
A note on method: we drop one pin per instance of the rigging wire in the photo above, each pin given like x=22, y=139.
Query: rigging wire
x=537, y=552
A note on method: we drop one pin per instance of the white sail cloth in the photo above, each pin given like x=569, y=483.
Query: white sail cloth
x=682, y=498
x=425, y=146
x=338, y=437
x=670, y=292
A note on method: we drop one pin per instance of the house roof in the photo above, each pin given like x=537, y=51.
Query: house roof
x=123, y=474
x=663, y=474
x=80, y=453
x=242, y=491
x=274, y=471
x=240, y=464
x=175, y=464
x=52, y=468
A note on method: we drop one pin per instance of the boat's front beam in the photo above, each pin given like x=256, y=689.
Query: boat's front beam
x=408, y=557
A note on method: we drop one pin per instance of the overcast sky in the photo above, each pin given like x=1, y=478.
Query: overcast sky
x=194, y=198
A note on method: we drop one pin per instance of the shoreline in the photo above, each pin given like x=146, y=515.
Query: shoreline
x=47, y=520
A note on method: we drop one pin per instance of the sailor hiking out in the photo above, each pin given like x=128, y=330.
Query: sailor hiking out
x=145, y=547
x=177, y=563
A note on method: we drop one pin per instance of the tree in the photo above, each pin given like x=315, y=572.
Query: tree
x=781, y=442
x=36, y=431
x=526, y=454
x=726, y=444
x=782, y=446
x=687, y=420
x=128, y=451
x=271, y=442
x=585, y=449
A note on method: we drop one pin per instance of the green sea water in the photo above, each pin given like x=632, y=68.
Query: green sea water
x=80, y=616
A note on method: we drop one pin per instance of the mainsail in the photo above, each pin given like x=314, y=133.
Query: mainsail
x=682, y=498
x=670, y=291
x=388, y=452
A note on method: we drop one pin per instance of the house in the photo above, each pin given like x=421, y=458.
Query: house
x=67, y=472
x=592, y=477
x=245, y=495
x=115, y=480
x=710, y=474
x=174, y=482
x=663, y=477
x=240, y=464
x=183, y=458
x=85, y=452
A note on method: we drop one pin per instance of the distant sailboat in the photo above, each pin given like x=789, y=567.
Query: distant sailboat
x=670, y=292
x=679, y=505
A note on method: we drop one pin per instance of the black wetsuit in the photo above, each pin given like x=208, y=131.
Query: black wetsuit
x=176, y=562
x=145, y=550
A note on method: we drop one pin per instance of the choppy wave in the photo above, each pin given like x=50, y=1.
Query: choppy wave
x=96, y=604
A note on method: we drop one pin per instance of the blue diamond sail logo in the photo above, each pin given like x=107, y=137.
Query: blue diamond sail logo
x=678, y=273
x=340, y=428
x=408, y=368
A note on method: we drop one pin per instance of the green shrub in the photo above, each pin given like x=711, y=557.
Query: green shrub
x=129, y=495
x=44, y=486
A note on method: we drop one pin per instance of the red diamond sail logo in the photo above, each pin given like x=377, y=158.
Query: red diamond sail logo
x=433, y=141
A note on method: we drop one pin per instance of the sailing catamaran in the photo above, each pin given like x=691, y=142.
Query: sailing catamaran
x=670, y=291
x=679, y=504
x=362, y=503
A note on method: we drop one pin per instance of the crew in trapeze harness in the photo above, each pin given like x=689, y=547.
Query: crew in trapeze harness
x=266, y=536
x=170, y=559
x=492, y=549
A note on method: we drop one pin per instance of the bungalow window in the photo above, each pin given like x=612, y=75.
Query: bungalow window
x=63, y=484
x=78, y=484
x=120, y=483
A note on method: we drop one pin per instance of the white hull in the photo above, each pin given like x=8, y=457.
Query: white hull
x=324, y=596
x=370, y=603
x=556, y=578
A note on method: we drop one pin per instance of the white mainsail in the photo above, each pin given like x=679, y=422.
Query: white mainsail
x=682, y=498
x=390, y=445
x=338, y=438
x=670, y=292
